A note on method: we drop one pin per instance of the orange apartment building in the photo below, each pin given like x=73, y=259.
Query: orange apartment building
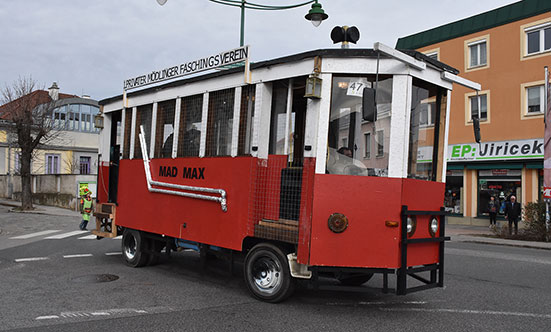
x=505, y=50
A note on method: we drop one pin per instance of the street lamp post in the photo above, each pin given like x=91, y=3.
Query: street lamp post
x=316, y=14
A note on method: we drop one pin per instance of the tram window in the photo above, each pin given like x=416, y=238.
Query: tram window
x=143, y=118
x=164, y=132
x=246, y=120
x=350, y=136
x=279, y=112
x=127, y=133
x=220, y=123
x=191, y=114
x=426, y=130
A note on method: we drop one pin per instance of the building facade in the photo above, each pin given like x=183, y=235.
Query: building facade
x=505, y=50
x=63, y=162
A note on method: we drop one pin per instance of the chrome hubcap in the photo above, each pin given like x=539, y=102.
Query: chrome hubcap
x=130, y=247
x=267, y=275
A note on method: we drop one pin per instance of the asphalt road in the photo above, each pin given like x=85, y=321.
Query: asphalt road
x=488, y=288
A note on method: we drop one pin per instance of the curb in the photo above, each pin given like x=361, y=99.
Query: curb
x=500, y=242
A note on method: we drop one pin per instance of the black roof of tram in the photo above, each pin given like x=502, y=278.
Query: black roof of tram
x=335, y=53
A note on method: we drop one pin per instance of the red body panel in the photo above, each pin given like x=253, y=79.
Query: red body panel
x=367, y=202
x=253, y=193
x=204, y=221
x=103, y=182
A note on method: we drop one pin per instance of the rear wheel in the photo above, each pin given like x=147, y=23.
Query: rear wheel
x=132, y=248
x=353, y=279
x=267, y=273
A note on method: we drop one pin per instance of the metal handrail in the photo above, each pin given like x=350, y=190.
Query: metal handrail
x=151, y=182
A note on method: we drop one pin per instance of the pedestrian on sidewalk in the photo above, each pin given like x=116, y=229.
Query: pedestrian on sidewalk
x=493, y=206
x=86, y=208
x=512, y=213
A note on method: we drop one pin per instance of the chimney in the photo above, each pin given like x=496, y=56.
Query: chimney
x=53, y=91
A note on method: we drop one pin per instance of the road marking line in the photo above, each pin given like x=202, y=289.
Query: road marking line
x=77, y=255
x=113, y=253
x=477, y=312
x=64, y=235
x=117, y=237
x=100, y=314
x=28, y=236
x=88, y=237
x=46, y=317
x=31, y=259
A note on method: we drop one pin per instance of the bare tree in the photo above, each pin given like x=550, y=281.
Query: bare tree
x=29, y=116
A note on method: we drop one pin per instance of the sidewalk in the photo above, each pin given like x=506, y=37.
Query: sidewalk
x=463, y=232
x=40, y=209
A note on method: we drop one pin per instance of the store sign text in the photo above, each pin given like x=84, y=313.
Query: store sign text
x=210, y=62
x=496, y=150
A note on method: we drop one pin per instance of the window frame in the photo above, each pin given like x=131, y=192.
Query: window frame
x=525, y=29
x=541, y=40
x=468, y=111
x=367, y=145
x=55, y=157
x=524, y=99
x=467, y=53
x=380, y=146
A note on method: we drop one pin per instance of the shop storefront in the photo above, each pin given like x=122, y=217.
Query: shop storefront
x=499, y=169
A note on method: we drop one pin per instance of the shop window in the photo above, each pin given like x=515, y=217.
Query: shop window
x=127, y=133
x=189, y=138
x=500, y=183
x=246, y=120
x=220, y=123
x=454, y=192
x=143, y=118
x=164, y=130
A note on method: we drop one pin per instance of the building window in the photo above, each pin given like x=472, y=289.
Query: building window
x=477, y=54
x=380, y=143
x=427, y=113
x=479, y=107
x=52, y=163
x=534, y=100
x=84, y=165
x=538, y=39
x=367, y=140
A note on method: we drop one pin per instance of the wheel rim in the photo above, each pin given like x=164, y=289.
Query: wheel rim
x=267, y=275
x=130, y=247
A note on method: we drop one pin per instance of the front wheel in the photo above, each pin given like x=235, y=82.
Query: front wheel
x=132, y=248
x=267, y=273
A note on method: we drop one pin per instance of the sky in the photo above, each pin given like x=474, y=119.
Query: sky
x=91, y=47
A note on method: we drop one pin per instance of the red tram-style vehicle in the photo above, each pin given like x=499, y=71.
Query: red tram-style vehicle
x=328, y=163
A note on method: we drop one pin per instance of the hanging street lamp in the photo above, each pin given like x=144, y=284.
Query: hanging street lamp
x=316, y=14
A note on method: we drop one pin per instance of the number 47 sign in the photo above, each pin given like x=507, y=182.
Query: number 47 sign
x=356, y=87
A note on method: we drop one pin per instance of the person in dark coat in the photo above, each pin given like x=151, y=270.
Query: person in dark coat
x=512, y=213
x=493, y=207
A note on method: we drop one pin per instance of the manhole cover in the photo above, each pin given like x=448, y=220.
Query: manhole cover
x=96, y=278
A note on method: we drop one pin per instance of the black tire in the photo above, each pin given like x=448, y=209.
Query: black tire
x=156, y=247
x=267, y=273
x=132, y=248
x=353, y=279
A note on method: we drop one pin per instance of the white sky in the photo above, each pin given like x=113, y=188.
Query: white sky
x=91, y=46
